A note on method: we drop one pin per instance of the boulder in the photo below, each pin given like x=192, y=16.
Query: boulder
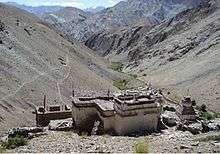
x=95, y=128
x=61, y=125
x=205, y=127
x=213, y=125
x=195, y=128
x=181, y=127
x=170, y=119
x=169, y=108
x=24, y=131
x=161, y=125
x=4, y=139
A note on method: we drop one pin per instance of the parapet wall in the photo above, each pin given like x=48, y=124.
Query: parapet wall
x=44, y=119
x=43, y=116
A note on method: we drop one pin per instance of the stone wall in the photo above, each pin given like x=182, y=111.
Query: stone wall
x=84, y=117
x=43, y=119
x=127, y=125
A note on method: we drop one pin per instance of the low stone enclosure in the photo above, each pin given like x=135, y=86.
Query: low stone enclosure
x=44, y=114
x=121, y=114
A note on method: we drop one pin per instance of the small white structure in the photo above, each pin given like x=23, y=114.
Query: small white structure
x=122, y=114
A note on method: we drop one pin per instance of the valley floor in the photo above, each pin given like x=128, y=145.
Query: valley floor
x=167, y=141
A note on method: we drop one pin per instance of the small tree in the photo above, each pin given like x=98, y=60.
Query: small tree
x=14, y=142
x=142, y=147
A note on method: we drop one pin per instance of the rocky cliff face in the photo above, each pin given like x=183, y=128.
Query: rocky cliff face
x=124, y=14
x=180, y=53
x=66, y=19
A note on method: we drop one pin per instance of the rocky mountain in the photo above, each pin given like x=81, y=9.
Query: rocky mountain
x=38, y=10
x=181, y=53
x=66, y=19
x=94, y=10
x=124, y=14
x=35, y=60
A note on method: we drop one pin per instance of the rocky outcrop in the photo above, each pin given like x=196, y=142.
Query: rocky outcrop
x=170, y=119
x=24, y=131
x=180, y=53
x=135, y=40
x=61, y=125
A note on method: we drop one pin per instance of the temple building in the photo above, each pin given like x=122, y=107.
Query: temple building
x=122, y=113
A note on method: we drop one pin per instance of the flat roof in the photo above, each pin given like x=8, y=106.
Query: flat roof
x=138, y=101
x=103, y=103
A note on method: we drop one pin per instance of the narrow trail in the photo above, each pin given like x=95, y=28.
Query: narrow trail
x=46, y=74
x=35, y=78
x=62, y=80
x=42, y=74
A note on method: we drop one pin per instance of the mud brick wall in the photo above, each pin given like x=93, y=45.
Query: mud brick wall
x=44, y=119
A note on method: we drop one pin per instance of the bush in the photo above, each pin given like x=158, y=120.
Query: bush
x=120, y=84
x=116, y=66
x=207, y=115
x=142, y=147
x=15, y=142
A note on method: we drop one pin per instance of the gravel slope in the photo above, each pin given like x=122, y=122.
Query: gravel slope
x=35, y=60
x=168, y=141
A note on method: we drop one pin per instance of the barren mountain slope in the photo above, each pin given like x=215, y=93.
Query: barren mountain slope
x=125, y=13
x=181, y=53
x=35, y=60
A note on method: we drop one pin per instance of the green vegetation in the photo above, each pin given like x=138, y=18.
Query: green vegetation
x=116, y=66
x=207, y=115
x=120, y=84
x=142, y=147
x=15, y=142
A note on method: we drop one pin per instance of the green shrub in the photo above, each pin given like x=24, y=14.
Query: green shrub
x=142, y=147
x=120, y=84
x=116, y=66
x=15, y=142
x=208, y=115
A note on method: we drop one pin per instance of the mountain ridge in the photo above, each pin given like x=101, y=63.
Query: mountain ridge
x=180, y=54
x=125, y=14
